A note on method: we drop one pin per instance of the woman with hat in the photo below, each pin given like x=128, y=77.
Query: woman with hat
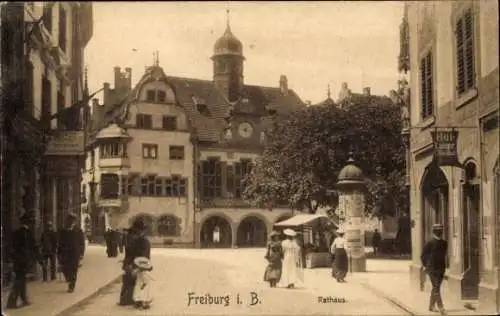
x=339, y=250
x=142, y=267
x=292, y=261
x=137, y=246
x=274, y=256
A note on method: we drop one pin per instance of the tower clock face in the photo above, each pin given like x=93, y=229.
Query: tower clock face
x=245, y=130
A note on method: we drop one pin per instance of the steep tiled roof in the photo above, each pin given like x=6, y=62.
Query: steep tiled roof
x=206, y=107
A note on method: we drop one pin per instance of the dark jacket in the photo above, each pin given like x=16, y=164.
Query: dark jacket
x=434, y=255
x=137, y=246
x=377, y=238
x=71, y=244
x=49, y=242
x=24, y=249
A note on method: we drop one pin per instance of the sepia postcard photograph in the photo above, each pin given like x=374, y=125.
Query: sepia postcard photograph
x=285, y=158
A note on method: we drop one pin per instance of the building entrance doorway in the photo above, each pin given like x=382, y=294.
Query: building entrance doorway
x=435, y=193
x=252, y=232
x=216, y=233
x=470, y=232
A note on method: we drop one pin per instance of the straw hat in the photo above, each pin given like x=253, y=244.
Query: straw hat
x=143, y=263
x=290, y=232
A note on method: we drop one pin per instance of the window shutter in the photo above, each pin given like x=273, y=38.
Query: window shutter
x=469, y=50
x=429, y=86
x=422, y=88
x=459, y=33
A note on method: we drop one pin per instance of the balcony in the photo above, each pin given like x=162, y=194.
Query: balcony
x=120, y=202
x=114, y=162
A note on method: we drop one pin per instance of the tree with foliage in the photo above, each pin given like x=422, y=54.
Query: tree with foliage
x=305, y=152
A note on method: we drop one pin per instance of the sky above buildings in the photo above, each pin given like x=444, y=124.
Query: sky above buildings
x=315, y=44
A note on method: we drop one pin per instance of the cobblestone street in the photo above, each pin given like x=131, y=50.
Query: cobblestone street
x=235, y=272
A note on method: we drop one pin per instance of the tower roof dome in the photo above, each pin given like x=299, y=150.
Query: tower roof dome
x=228, y=44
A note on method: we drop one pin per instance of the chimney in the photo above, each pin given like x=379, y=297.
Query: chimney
x=106, y=93
x=366, y=91
x=128, y=78
x=118, y=74
x=283, y=85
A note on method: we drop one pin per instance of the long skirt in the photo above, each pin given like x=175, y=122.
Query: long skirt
x=273, y=272
x=127, y=291
x=341, y=263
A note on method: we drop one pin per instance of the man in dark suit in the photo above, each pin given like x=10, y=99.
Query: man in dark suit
x=25, y=254
x=49, y=248
x=70, y=250
x=434, y=261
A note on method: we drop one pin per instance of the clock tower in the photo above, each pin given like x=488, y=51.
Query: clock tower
x=228, y=64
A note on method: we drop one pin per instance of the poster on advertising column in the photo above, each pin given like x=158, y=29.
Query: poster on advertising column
x=354, y=238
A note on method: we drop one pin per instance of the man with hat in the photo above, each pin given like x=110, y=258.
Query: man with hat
x=49, y=247
x=25, y=253
x=434, y=261
x=70, y=250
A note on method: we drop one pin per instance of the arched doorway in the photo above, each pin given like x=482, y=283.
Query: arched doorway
x=434, y=194
x=470, y=231
x=215, y=232
x=252, y=232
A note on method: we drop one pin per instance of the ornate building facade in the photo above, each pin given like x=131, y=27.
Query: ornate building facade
x=42, y=58
x=454, y=83
x=176, y=151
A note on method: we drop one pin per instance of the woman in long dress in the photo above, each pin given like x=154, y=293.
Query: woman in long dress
x=292, y=273
x=274, y=256
x=339, y=250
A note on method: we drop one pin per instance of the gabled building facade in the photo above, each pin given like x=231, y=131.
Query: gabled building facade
x=176, y=150
x=453, y=59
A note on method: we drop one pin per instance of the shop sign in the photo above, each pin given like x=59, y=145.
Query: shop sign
x=66, y=143
x=445, y=147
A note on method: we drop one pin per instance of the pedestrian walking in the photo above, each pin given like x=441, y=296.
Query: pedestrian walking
x=339, y=249
x=137, y=246
x=376, y=239
x=142, y=296
x=292, y=273
x=434, y=261
x=25, y=254
x=71, y=245
x=49, y=249
x=121, y=240
x=274, y=257
x=108, y=237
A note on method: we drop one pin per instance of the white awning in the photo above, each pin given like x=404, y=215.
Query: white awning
x=300, y=219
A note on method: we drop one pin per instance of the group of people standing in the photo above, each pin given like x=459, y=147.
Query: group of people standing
x=65, y=247
x=285, y=266
x=115, y=241
x=136, y=267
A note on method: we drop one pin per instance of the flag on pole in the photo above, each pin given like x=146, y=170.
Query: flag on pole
x=68, y=116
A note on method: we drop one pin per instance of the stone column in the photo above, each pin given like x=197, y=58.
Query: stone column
x=351, y=188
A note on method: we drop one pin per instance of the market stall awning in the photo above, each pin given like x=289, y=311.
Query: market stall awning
x=299, y=220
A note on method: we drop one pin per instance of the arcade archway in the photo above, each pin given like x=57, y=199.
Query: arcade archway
x=215, y=232
x=252, y=232
x=434, y=194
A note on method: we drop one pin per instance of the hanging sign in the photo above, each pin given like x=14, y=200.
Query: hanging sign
x=445, y=147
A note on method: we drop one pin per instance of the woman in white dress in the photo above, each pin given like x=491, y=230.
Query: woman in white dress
x=292, y=274
x=339, y=249
x=142, y=297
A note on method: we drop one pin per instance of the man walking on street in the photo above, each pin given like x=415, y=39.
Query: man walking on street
x=70, y=250
x=434, y=261
x=25, y=254
x=49, y=248
x=377, y=238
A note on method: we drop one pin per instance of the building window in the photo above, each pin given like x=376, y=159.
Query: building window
x=176, y=152
x=144, y=186
x=242, y=169
x=159, y=187
x=124, y=185
x=161, y=96
x=47, y=17
x=144, y=121
x=111, y=150
x=62, y=28
x=151, y=186
x=169, y=123
x=230, y=179
x=132, y=184
x=211, y=178
x=168, y=187
x=109, y=186
x=46, y=97
x=167, y=225
x=149, y=151
x=464, y=33
x=150, y=95
x=92, y=159
x=426, y=86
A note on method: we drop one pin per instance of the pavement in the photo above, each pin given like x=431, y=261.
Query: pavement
x=97, y=272
x=238, y=274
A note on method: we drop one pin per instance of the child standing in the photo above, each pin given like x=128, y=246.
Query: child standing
x=141, y=291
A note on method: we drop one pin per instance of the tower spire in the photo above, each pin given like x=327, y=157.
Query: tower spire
x=228, y=20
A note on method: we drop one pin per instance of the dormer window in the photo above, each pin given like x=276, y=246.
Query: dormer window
x=156, y=96
x=150, y=96
x=161, y=96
